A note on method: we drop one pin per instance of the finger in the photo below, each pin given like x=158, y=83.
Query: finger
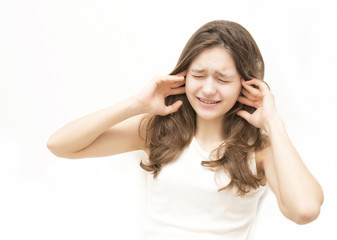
x=248, y=95
x=183, y=73
x=244, y=114
x=246, y=101
x=173, y=108
x=170, y=79
x=253, y=91
x=260, y=84
x=176, y=91
x=177, y=84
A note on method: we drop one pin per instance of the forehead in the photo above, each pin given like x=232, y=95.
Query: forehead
x=216, y=58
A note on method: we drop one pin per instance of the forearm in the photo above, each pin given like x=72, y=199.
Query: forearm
x=80, y=133
x=298, y=189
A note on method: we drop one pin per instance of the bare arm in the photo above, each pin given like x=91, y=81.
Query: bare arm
x=115, y=129
x=298, y=194
x=100, y=133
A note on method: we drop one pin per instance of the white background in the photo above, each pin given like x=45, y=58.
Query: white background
x=60, y=60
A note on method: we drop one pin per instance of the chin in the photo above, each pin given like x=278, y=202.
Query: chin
x=210, y=117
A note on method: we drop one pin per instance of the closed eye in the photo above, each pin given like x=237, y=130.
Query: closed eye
x=224, y=81
x=197, y=76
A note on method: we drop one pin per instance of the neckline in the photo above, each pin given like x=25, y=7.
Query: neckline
x=199, y=148
x=207, y=155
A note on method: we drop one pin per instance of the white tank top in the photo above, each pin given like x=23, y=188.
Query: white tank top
x=184, y=203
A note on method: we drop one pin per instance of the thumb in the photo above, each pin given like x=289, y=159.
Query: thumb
x=173, y=108
x=244, y=114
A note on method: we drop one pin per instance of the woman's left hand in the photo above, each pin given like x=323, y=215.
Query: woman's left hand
x=260, y=98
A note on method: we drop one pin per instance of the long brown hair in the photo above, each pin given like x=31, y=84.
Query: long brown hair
x=167, y=136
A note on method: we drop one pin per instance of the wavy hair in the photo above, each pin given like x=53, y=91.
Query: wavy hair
x=168, y=136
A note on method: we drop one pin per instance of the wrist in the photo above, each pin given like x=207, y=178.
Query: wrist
x=135, y=106
x=272, y=124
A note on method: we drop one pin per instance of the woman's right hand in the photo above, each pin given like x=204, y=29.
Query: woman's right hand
x=152, y=97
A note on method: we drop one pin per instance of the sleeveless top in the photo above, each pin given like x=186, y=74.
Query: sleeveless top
x=183, y=202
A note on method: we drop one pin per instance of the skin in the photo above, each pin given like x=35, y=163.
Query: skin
x=115, y=129
x=298, y=194
x=212, y=77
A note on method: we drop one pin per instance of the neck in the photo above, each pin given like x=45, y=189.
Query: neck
x=209, y=134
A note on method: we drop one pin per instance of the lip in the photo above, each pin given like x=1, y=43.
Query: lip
x=208, y=102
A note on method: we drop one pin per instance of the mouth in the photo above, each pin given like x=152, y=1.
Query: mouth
x=208, y=101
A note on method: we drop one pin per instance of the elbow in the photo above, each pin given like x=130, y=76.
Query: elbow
x=54, y=149
x=310, y=210
x=305, y=210
x=306, y=214
x=51, y=146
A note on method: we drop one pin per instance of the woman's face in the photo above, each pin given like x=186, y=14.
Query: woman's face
x=213, y=83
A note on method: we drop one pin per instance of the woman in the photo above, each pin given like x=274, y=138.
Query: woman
x=213, y=138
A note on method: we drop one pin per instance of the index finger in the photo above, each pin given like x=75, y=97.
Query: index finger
x=171, y=78
x=181, y=74
x=263, y=86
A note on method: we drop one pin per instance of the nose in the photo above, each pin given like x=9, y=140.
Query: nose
x=209, y=88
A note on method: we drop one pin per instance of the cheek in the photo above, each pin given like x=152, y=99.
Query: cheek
x=232, y=92
x=190, y=86
x=238, y=91
x=188, y=90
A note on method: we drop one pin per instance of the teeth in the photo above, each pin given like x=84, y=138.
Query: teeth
x=207, y=101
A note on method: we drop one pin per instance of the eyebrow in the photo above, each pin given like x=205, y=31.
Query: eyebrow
x=198, y=70
x=223, y=75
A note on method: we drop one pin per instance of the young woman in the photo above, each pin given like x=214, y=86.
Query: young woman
x=213, y=137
